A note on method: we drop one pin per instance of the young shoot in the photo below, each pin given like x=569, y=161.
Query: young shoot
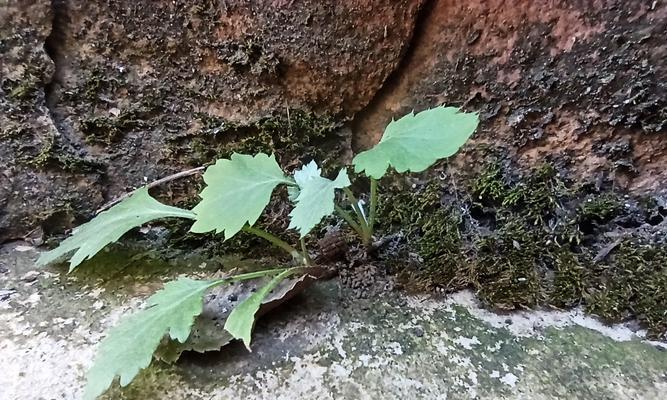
x=237, y=192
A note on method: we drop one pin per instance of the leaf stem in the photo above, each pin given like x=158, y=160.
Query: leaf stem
x=350, y=221
x=250, y=275
x=304, y=252
x=355, y=206
x=276, y=241
x=365, y=230
x=374, y=203
x=153, y=184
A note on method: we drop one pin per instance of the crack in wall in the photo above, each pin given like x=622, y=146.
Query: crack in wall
x=69, y=141
x=392, y=79
x=53, y=46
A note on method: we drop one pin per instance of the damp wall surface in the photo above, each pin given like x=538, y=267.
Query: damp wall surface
x=97, y=98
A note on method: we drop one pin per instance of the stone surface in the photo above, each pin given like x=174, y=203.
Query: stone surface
x=320, y=346
x=581, y=83
x=98, y=98
x=43, y=177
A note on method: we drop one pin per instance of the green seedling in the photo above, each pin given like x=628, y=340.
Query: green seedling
x=237, y=191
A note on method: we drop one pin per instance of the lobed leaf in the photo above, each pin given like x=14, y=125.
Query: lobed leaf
x=129, y=346
x=416, y=141
x=110, y=225
x=238, y=190
x=220, y=301
x=315, y=199
x=241, y=320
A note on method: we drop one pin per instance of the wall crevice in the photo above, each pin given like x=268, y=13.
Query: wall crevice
x=393, y=78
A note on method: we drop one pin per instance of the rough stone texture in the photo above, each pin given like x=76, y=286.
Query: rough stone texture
x=132, y=84
x=583, y=82
x=42, y=177
x=388, y=347
x=138, y=90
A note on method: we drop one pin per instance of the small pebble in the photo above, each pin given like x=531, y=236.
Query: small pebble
x=5, y=293
x=419, y=332
x=30, y=276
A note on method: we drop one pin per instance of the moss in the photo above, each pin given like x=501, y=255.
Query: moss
x=600, y=208
x=632, y=283
x=401, y=206
x=431, y=227
x=44, y=155
x=441, y=248
x=50, y=155
x=507, y=271
x=298, y=137
x=106, y=130
x=536, y=196
x=301, y=135
x=27, y=87
x=97, y=81
x=570, y=279
x=524, y=242
x=489, y=187
x=13, y=130
x=248, y=55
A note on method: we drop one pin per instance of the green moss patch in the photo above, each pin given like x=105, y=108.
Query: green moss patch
x=632, y=282
x=295, y=137
x=531, y=241
x=106, y=130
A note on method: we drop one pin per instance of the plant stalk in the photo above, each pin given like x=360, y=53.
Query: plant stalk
x=355, y=206
x=304, y=252
x=373, y=207
x=350, y=221
x=364, y=231
x=158, y=182
x=276, y=241
x=253, y=275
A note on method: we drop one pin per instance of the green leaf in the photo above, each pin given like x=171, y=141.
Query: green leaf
x=110, y=225
x=416, y=141
x=238, y=191
x=241, y=320
x=316, y=197
x=129, y=346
